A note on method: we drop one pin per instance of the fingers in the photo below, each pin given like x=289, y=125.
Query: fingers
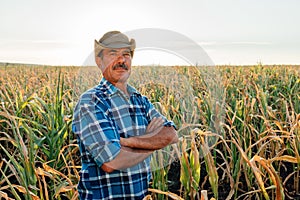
x=123, y=141
x=156, y=124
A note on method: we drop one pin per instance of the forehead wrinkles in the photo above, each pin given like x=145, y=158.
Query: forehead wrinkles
x=118, y=50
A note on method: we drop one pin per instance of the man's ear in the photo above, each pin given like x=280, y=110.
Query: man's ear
x=99, y=62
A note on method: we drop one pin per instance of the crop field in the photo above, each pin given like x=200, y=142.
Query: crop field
x=239, y=129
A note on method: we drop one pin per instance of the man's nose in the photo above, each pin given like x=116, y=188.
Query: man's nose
x=121, y=59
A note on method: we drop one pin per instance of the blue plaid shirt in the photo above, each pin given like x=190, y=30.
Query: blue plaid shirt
x=103, y=115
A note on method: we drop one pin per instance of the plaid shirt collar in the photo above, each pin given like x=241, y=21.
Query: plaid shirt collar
x=109, y=89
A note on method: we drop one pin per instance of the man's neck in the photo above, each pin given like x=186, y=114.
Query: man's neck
x=122, y=87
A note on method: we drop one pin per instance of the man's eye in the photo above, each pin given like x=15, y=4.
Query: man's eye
x=127, y=55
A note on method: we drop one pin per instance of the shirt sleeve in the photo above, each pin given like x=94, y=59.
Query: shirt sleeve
x=152, y=112
x=96, y=133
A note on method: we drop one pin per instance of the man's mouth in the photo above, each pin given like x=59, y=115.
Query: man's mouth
x=120, y=66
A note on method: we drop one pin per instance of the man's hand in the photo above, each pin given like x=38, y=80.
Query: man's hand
x=156, y=137
x=155, y=125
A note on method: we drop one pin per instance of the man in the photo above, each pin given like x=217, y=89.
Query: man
x=117, y=128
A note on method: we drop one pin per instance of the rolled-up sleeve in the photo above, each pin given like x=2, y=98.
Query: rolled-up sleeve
x=152, y=112
x=96, y=133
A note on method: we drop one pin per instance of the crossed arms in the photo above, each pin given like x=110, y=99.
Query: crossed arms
x=136, y=149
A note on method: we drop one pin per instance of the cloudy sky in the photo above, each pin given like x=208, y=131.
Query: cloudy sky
x=236, y=32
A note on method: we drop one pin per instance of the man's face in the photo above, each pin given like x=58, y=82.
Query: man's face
x=115, y=65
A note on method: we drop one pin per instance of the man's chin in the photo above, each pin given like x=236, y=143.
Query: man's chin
x=122, y=79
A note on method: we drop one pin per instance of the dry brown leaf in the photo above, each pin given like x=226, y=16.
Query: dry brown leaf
x=169, y=194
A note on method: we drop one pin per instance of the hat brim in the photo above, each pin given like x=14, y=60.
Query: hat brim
x=116, y=45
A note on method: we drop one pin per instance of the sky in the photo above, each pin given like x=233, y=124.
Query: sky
x=229, y=32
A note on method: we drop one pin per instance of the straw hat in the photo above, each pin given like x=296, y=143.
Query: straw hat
x=114, y=40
